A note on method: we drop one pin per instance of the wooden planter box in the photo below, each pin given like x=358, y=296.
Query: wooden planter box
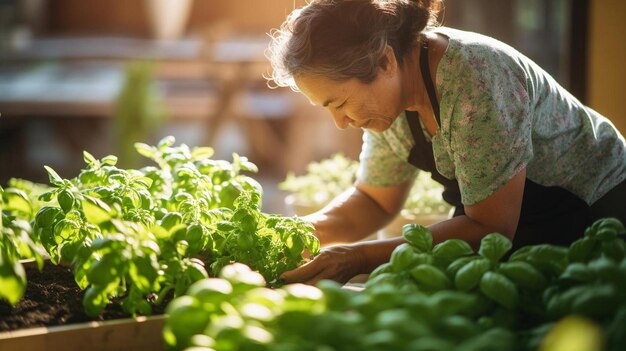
x=128, y=334
x=141, y=333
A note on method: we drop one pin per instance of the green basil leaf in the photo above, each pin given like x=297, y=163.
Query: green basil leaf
x=196, y=236
x=385, y=278
x=248, y=224
x=312, y=244
x=65, y=229
x=497, y=338
x=12, y=278
x=104, y=271
x=494, y=246
x=609, y=226
x=605, y=269
x=582, y=250
x=458, y=328
x=577, y=273
x=524, y=275
x=195, y=271
x=404, y=257
x=449, y=250
x=201, y=153
x=598, y=302
x=225, y=226
x=66, y=200
x=88, y=158
x=383, y=268
x=95, y=300
x=430, y=278
x=17, y=200
x=47, y=196
x=171, y=219
x=95, y=212
x=500, y=289
x=418, y=236
x=186, y=318
x=451, y=302
x=144, y=272
x=54, y=177
x=469, y=275
x=47, y=216
x=521, y=254
x=614, y=249
x=109, y=160
x=68, y=249
x=145, y=150
x=211, y=290
x=551, y=260
x=457, y=264
x=166, y=142
x=145, y=182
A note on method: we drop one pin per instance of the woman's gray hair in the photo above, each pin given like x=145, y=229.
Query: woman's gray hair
x=345, y=39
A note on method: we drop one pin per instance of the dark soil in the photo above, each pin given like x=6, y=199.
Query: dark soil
x=53, y=298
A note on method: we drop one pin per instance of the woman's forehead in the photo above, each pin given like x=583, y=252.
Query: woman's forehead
x=322, y=90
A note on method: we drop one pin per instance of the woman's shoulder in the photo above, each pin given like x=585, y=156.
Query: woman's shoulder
x=471, y=58
x=466, y=45
x=465, y=38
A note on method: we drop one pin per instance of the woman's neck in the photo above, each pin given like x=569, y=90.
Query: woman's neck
x=414, y=90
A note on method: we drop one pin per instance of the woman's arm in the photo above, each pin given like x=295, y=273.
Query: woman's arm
x=498, y=213
x=358, y=212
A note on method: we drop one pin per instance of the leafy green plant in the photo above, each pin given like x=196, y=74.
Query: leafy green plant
x=18, y=206
x=441, y=297
x=141, y=234
x=236, y=312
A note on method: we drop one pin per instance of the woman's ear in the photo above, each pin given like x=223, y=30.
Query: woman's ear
x=388, y=64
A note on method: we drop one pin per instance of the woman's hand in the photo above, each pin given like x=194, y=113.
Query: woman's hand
x=339, y=263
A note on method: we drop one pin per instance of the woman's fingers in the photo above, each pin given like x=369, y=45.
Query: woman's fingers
x=303, y=273
x=338, y=263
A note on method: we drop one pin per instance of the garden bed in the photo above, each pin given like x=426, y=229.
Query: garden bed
x=51, y=316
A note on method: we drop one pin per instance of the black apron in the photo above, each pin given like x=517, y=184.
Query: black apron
x=548, y=215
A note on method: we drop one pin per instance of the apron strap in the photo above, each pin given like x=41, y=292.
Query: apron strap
x=421, y=155
x=428, y=81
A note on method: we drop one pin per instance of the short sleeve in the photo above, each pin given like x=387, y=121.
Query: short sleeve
x=379, y=164
x=490, y=128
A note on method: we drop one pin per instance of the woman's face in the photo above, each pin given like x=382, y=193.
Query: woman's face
x=373, y=106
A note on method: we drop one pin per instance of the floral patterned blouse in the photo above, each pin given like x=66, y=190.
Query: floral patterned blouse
x=500, y=113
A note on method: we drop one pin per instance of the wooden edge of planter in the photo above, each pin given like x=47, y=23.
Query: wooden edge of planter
x=29, y=262
x=130, y=334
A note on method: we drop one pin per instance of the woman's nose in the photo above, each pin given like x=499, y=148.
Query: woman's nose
x=341, y=121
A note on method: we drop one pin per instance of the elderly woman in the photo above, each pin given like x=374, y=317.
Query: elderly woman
x=516, y=153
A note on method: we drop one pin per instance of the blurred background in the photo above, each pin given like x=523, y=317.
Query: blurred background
x=100, y=75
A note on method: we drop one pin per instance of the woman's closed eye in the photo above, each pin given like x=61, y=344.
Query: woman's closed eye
x=341, y=105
